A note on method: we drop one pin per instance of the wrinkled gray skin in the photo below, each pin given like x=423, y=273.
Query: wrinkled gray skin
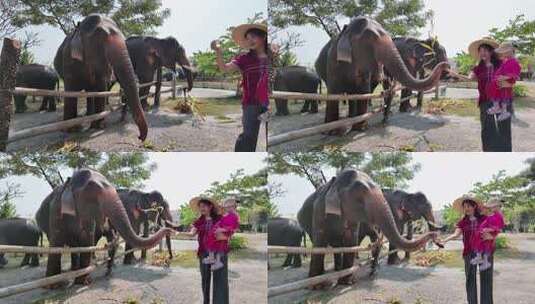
x=418, y=58
x=20, y=232
x=286, y=232
x=36, y=76
x=149, y=55
x=71, y=214
x=331, y=214
x=85, y=61
x=296, y=79
x=353, y=60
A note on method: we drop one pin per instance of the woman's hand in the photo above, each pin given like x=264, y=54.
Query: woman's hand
x=487, y=236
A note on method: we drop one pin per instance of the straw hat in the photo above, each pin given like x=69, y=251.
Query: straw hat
x=505, y=47
x=238, y=33
x=458, y=203
x=473, y=49
x=194, y=203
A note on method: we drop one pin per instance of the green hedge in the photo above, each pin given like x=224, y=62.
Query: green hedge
x=238, y=242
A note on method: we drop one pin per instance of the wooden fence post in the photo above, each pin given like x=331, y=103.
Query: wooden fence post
x=9, y=61
x=173, y=93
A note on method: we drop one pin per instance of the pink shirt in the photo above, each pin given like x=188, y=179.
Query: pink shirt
x=510, y=68
x=495, y=222
x=230, y=222
x=255, y=77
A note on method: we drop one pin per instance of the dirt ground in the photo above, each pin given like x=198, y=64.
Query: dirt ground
x=168, y=130
x=514, y=279
x=452, y=127
x=150, y=284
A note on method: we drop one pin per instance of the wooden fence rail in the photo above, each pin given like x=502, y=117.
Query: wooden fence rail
x=316, y=250
x=50, y=250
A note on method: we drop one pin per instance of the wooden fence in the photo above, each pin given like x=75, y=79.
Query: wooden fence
x=9, y=60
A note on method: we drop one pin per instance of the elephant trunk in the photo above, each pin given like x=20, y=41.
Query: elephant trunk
x=115, y=211
x=387, y=53
x=183, y=61
x=430, y=219
x=117, y=54
x=381, y=215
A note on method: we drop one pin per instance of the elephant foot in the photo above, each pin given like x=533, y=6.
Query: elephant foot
x=20, y=111
x=108, y=272
x=348, y=280
x=360, y=127
x=129, y=260
x=51, y=110
x=394, y=260
x=83, y=280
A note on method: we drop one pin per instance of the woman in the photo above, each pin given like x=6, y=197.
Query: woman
x=254, y=67
x=209, y=216
x=467, y=227
x=495, y=135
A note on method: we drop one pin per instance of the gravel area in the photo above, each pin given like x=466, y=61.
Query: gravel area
x=514, y=279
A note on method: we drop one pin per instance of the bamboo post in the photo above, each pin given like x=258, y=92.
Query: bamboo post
x=173, y=84
x=9, y=61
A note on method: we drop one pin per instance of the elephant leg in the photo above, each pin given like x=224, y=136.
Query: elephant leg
x=143, y=92
x=332, y=110
x=360, y=107
x=420, y=100
x=130, y=258
x=34, y=260
x=88, y=239
x=393, y=258
x=168, y=244
x=145, y=235
x=53, y=265
x=297, y=260
x=314, y=106
x=405, y=106
x=306, y=106
x=44, y=103
x=20, y=104
x=25, y=260
x=349, y=240
x=281, y=106
x=387, y=84
x=111, y=238
x=70, y=107
x=52, y=104
x=288, y=260
x=3, y=260
x=409, y=237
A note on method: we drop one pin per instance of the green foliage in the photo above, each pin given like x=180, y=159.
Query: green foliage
x=122, y=169
x=238, y=242
x=464, y=62
x=518, y=29
x=187, y=216
x=512, y=189
x=7, y=207
x=520, y=90
x=398, y=17
x=502, y=242
x=451, y=216
x=286, y=58
x=139, y=17
x=390, y=170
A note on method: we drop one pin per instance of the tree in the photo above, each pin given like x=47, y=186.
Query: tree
x=139, y=17
x=7, y=207
x=398, y=17
x=519, y=29
x=9, y=9
x=390, y=170
x=127, y=170
x=512, y=189
x=29, y=41
x=465, y=62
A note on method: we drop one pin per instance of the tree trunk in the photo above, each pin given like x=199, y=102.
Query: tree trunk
x=9, y=61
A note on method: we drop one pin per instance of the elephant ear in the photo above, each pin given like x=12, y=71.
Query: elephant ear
x=332, y=200
x=77, y=51
x=67, y=202
x=343, y=47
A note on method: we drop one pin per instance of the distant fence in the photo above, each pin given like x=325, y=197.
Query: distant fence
x=310, y=131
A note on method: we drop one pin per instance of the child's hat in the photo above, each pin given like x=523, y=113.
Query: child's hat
x=239, y=32
x=505, y=47
x=494, y=202
x=473, y=49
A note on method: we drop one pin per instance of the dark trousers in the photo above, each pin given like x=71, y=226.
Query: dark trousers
x=495, y=135
x=251, y=126
x=485, y=278
x=220, y=293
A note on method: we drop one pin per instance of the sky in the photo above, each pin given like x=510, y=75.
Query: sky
x=179, y=177
x=457, y=23
x=443, y=177
x=194, y=23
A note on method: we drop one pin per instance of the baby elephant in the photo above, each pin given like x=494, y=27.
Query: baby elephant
x=36, y=76
x=20, y=232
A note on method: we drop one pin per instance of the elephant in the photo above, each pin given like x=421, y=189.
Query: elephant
x=418, y=56
x=149, y=55
x=86, y=60
x=351, y=61
x=406, y=208
x=36, y=76
x=296, y=79
x=286, y=232
x=332, y=213
x=72, y=212
x=20, y=232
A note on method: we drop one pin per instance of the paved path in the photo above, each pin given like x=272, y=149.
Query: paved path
x=513, y=282
x=149, y=284
x=212, y=93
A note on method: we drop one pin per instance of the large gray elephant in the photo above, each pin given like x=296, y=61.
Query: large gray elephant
x=20, y=232
x=331, y=214
x=286, y=232
x=351, y=61
x=418, y=56
x=36, y=76
x=86, y=59
x=150, y=54
x=71, y=214
x=296, y=79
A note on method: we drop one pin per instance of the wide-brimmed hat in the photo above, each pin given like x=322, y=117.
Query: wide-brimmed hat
x=194, y=203
x=505, y=47
x=239, y=32
x=473, y=49
x=458, y=203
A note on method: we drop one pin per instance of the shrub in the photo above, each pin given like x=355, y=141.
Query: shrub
x=520, y=90
x=502, y=242
x=238, y=242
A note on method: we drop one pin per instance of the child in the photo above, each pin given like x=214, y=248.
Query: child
x=220, y=234
x=493, y=224
x=500, y=90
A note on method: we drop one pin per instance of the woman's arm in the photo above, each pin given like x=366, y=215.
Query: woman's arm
x=225, y=67
x=458, y=232
x=193, y=232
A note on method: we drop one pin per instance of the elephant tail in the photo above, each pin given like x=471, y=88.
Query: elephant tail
x=304, y=241
x=41, y=237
